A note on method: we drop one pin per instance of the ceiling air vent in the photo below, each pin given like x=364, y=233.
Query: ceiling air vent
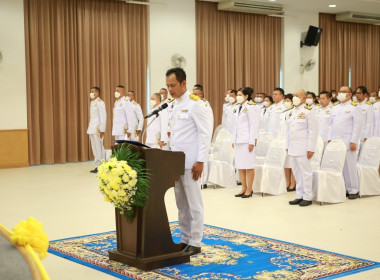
x=250, y=7
x=359, y=17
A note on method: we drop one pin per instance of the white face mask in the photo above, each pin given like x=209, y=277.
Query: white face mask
x=227, y=98
x=333, y=95
x=296, y=101
x=239, y=99
x=152, y=103
x=355, y=99
x=258, y=99
x=309, y=101
x=92, y=95
x=162, y=97
x=288, y=105
x=117, y=94
x=231, y=100
x=266, y=103
x=372, y=99
x=342, y=96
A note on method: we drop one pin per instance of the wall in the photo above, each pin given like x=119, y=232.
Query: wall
x=171, y=31
x=293, y=54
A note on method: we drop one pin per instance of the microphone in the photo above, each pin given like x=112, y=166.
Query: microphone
x=155, y=112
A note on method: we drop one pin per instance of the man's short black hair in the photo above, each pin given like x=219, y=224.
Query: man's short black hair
x=289, y=96
x=120, y=86
x=97, y=89
x=280, y=90
x=179, y=73
x=198, y=86
x=131, y=91
x=164, y=89
x=233, y=91
x=363, y=89
x=328, y=94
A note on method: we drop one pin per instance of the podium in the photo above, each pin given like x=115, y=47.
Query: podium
x=147, y=243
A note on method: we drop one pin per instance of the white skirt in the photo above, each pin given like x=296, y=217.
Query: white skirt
x=243, y=158
x=287, y=162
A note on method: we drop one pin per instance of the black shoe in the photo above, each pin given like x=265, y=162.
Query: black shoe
x=291, y=190
x=183, y=245
x=192, y=250
x=295, y=202
x=347, y=194
x=305, y=203
x=353, y=196
x=238, y=183
x=95, y=170
x=247, y=195
x=239, y=195
x=205, y=186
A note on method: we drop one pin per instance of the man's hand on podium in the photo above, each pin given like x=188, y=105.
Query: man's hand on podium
x=197, y=170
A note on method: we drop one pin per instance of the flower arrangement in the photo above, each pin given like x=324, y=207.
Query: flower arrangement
x=123, y=180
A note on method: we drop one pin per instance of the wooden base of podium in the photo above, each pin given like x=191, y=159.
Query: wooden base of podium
x=150, y=263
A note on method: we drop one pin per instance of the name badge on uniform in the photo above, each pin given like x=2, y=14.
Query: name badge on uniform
x=245, y=110
x=301, y=116
x=183, y=114
x=328, y=111
x=120, y=104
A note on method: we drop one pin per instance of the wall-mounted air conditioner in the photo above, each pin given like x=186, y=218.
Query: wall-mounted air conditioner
x=359, y=17
x=245, y=6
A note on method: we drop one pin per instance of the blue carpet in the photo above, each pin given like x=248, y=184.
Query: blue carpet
x=226, y=254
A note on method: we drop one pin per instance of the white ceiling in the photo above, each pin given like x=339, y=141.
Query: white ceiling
x=322, y=6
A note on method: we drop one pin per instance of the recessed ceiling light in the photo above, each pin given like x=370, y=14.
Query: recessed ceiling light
x=332, y=6
x=272, y=0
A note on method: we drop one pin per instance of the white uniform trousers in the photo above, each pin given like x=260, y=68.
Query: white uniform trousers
x=190, y=208
x=97, y=149
x=350, y=173
x=303, y=173
x=121, y=137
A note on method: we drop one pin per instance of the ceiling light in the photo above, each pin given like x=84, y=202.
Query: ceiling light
x=332, y=6
x=272, y=0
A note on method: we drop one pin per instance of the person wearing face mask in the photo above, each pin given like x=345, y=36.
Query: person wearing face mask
x=157, y=126
x=246, y=129
x=123, y=119
x=301, y=141
x=374, y=97
x=284, y=119
x=230, y=111
x=376, y=118
x=97, y=126
x=311, y=99
x=137, y=114
x=333, y=96
x=346, y=122
x=274, y=113
x=324, y=115
x=164, y=95
x=264, y=112
x=367, y=113
x=225, y=110
x=259, y=99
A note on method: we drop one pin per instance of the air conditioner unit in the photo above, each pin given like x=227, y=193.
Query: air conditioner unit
x=358, y=17
x=245, y=6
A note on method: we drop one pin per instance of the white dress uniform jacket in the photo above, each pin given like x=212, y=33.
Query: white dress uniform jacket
x=98, y=117
x=367, y=118
x=274, y=118
x=231, y=110
x=139, y=116
x=157, y=129
x=302, y=131
x=376, y=119
x=247, y=122
x=122, y=118
x=324, y=119
x=264, y=117
x=224, y=115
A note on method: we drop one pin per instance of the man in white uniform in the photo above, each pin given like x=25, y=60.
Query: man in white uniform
x=302, y=135
x=164, y=95
x=97, y=126
x=376, y=119
x=324, y=115
x=157, y=125
x=367, y=114
x=190, y=129
x=138, y=115
x=345, y=125
x=225, y=107
x=259, y=99
x=275, y=111
x=123, y=123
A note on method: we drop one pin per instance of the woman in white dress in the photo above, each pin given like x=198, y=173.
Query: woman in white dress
x=157, y=125
x=284, y=118
x=311, y=99
x=264, y=112
x=246, y=129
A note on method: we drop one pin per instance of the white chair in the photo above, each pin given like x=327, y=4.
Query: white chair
x=328, y=182
x=219, y=138
x=261, y=150
x=221, y=167
x=217, y=129
x=273, y=176
x=368, y=167
x=317, y=157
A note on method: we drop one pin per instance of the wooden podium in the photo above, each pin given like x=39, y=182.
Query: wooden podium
x=147, y=243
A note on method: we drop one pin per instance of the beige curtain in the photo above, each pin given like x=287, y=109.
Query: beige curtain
x=236, y=50
x=346, y=46
x=72, y=45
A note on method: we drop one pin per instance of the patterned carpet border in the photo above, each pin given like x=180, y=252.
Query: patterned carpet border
x=226, y=254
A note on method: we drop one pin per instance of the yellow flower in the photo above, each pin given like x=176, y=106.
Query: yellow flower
x=132, y=183
x=128, y=169
x=107, y=199
x=122, y=193
x=132, y=174
x=125, y=178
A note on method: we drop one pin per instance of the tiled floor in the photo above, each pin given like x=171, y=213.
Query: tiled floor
x=66, y=199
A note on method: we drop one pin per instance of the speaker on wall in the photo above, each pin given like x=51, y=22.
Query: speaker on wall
x=312, y=37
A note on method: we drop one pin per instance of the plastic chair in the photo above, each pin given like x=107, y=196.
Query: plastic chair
x=273, y=176
x=221, y=167
x=261, y=151
x=368, y=167
x=216, y=132
x=328, y=182
x=317, y=157
x=219, y=138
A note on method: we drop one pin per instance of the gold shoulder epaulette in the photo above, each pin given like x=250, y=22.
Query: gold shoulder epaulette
x=194, y=97
x=126, y=98
x=336, y=103
x=317, y=104
x=353, y=103
x=251, y=103
x=134, y=102
x=369, y=103
x=308, y=107
x=288, y=109
x=99, y=100
x=171, y=100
